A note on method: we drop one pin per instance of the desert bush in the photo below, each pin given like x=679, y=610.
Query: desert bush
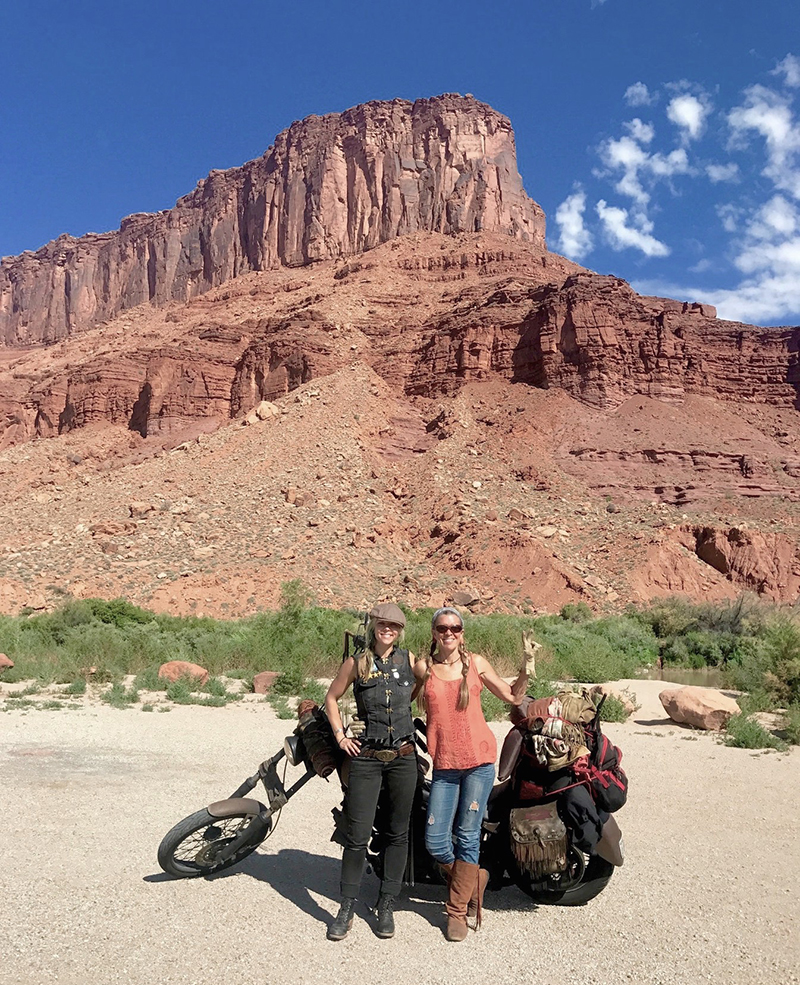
x=747, y=733
x=592, y=652
x=118, y=696
x=771, y=664
x=790, y=724
x=576, y=612
x=613, y=710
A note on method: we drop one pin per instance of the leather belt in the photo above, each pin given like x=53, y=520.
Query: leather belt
x=387, y=755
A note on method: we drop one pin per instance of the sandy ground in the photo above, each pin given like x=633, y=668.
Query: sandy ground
x=709, y=893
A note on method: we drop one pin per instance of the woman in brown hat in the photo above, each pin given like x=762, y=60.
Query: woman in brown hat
x=383, y=757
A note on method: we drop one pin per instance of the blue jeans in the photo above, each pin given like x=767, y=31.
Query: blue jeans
x=455, y=813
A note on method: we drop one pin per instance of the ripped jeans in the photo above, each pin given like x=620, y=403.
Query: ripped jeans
x=455, y=813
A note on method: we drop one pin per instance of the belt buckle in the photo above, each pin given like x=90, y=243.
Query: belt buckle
x=386, y=755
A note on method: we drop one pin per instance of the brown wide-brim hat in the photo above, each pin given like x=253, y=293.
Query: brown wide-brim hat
x=389, y=612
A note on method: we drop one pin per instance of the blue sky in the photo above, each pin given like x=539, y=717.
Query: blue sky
x=662, y=137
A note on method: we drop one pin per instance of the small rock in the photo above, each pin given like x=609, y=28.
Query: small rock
x=173, y=670
x=138, y=508
x=263, y=682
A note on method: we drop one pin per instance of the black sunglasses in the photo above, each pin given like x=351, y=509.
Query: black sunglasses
x=455, y=630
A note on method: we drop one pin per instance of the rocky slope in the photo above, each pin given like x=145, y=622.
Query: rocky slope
x=451, y=414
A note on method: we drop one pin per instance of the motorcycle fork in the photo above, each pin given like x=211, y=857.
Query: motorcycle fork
x=277, y=795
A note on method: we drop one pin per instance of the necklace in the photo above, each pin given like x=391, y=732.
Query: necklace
x=447, y=663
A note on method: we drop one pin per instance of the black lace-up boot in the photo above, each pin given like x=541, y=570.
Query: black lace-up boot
x=343, y=920
x=383, y=910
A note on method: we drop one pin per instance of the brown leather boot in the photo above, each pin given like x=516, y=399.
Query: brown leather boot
x=475, y=905
x=446, y=868
x=463, y=882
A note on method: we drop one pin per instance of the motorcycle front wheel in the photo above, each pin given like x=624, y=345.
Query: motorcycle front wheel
x=594, y=880
x=193, y=846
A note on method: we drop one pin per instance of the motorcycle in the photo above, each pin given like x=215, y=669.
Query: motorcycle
x=530, y=842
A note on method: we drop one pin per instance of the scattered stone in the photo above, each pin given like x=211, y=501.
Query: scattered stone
x=139, y=508
x=113, y=528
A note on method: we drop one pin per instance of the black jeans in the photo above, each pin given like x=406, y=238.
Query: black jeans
x=367, y=778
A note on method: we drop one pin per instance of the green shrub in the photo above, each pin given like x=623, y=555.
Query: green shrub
x=148, y=680
x=118, y=696
x=576, y=612
x=613, y=710
x=539, y=687
x=494, y=708
x=280, y=706
x=756, y=700
x=78, y=686
x=216, y=687
x=791, y=724
x=747, y=733
x=180, y=691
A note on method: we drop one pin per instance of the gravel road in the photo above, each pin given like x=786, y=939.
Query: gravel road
x=709, y=893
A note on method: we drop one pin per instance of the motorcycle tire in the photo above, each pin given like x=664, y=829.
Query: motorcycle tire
x=190, y=849
x=595, y=879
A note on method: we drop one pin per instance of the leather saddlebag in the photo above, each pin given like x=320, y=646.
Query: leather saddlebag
x=538, y=840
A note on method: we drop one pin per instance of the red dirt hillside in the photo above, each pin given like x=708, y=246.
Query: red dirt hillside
x=362, y=391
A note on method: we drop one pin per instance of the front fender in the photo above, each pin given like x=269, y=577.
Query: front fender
x=234, y=806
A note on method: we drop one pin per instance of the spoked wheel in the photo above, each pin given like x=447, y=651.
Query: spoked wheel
x=585, y=878
x=193, y=846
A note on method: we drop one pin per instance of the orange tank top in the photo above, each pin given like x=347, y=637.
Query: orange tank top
x=457, y=739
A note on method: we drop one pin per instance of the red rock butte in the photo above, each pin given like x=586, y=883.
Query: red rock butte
x=330, y=186
x=385, y=264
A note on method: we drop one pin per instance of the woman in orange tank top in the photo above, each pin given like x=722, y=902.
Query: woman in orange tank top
x=463, y=749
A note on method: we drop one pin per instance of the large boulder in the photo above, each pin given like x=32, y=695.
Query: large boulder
x=700, y=707
x=173, y=670
x=6, y=663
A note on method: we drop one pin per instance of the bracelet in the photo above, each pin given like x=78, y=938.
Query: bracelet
x=340, y=741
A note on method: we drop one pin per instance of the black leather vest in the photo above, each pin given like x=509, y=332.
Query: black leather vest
x=384, y=700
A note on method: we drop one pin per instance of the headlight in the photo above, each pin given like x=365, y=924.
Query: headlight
x=293, y=749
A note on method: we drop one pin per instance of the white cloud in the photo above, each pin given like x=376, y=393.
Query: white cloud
x=776, y=218
x=638, y=166
x=643, y=133
x=769, y=114
x=760, y=268
x=639, y=95
x=730, y=216
x=689, y=114
x=574, y=238
x=723, y=172
x=768, y=258
x=789, y=68
x=629, y=232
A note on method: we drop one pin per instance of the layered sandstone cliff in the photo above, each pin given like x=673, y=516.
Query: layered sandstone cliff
x=594, y=337
x=330, y=186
